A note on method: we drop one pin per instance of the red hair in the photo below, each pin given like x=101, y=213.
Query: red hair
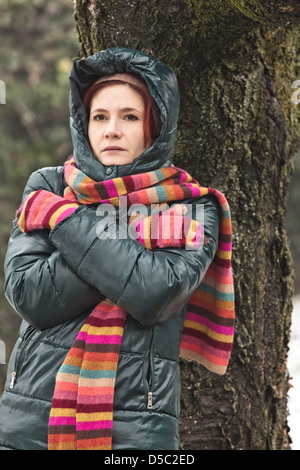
x=150, y=130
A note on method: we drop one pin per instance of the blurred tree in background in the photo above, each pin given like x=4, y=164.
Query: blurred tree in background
x=38, y=44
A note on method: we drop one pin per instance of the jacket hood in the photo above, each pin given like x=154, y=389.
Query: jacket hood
x=162, y=84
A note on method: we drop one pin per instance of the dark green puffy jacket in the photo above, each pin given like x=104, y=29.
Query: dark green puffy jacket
x=54, y=279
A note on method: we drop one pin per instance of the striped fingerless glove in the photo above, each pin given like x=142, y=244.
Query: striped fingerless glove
x=169, y=228
x=43, y=210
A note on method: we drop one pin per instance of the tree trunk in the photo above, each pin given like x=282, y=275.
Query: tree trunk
x=238, y=130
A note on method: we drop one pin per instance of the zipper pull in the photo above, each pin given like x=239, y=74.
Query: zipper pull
x=13, y=378
x=149, y=405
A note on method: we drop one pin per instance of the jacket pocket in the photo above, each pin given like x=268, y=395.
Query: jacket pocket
x=29, y=332
x=148, y=370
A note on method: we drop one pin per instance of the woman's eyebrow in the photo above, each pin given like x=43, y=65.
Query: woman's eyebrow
x=127, y=110
x=123, y=110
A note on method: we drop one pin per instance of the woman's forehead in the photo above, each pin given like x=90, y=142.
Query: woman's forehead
x=117, y=96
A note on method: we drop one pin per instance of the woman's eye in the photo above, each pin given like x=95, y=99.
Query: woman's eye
x=131, y=117
x=99, y=117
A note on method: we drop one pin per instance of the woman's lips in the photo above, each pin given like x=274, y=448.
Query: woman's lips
x=111, y=149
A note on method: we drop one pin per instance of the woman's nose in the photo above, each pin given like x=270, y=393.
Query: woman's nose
x=113, y=129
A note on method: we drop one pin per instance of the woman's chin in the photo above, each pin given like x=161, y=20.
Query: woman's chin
x=109, y=160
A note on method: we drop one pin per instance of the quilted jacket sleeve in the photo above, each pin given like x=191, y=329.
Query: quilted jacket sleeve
x=39, y=283
x=53, y=277
x=150, y=285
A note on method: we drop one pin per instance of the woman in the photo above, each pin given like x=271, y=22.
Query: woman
x=69, y=268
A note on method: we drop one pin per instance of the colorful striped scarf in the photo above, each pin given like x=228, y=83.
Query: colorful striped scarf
x=82, y=409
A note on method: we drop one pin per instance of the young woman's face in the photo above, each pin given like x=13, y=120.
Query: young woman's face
x=115, y=131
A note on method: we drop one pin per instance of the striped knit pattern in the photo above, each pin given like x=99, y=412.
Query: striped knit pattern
x=43, y=210
x=81, y=415
x=209, y=322
x=169, y=228
x=82, y=410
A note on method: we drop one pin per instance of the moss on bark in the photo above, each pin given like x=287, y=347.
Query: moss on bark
x=270, y=13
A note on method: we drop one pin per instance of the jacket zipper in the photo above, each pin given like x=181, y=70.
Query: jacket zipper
x=150, y=370
x=27, y=335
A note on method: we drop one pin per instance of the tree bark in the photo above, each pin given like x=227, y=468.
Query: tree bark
x=238, y=130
